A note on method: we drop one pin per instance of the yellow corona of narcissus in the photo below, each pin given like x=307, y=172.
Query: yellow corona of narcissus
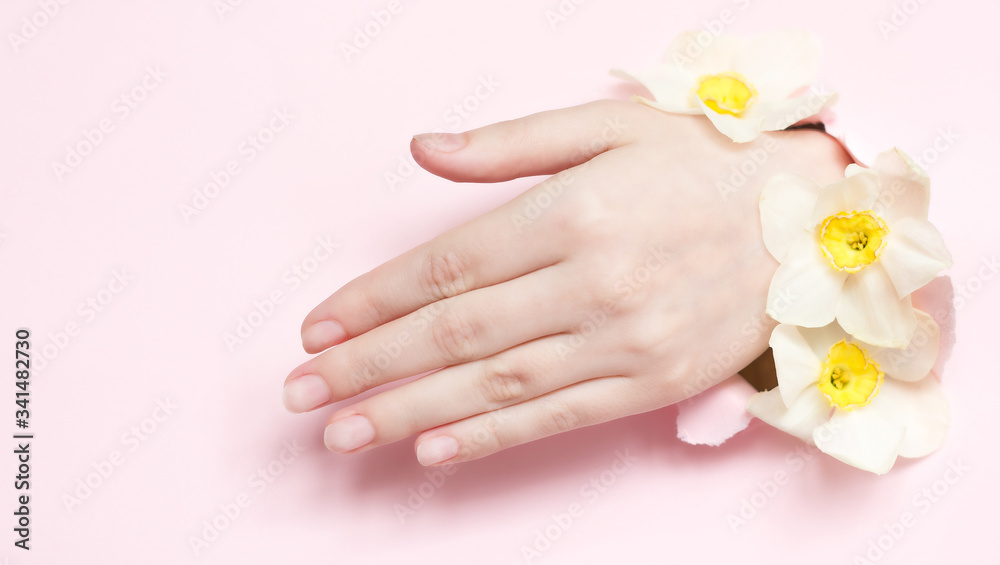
x=862, y=404
x=854, y=250
x=745, y=86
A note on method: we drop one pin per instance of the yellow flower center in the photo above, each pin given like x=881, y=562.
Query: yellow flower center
x=850, y=378
x=852, y=241
x=726, y=93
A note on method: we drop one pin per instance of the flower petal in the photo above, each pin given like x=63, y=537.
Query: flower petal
x=856, y=192
x=715, y=415
x=776, y=115
x=809, y=410
x=870, y=311
x=795, y=362
x=694, y=53
x=906, y=189
x=671, y=91
x=914, y=254
x=766, y=115
x=854, y=169
x=917, y=360
x=861, y=438
x=690, y=56
x=821, y=339
x=938, y=299
x=786, y=205
x=780, y=63
x=920, y=408
x=740, y=129
x=805, y=287
x=663, y=107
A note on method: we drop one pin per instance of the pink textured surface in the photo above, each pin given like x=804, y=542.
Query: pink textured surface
x=715, y=415
x=926, y=87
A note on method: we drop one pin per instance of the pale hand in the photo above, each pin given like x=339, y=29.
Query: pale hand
x=629, y=281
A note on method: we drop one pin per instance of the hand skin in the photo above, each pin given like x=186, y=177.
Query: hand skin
x=622, y=285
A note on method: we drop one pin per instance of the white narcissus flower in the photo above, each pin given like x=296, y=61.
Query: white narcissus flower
x=862, y=404
x=854, y=250
x=745, y=86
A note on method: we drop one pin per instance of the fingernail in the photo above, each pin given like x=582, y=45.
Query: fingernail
x=441, y=142
x=436, y=450
x=305, y=393
x=322, y=335
x=348, y=434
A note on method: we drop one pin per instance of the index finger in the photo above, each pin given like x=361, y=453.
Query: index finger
x=484, y=251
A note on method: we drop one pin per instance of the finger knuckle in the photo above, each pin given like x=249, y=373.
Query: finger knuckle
x=501, y=383
x=647, y=335
x=454, y=337
x=483, y=439
x=613, y=106
x=353, y=374
x=515, y=136
x=558, y=418
x=599, y=295
x=445, y=274
x=586, y=217
x=619, y=117
x=373, y=304
x=511, y=137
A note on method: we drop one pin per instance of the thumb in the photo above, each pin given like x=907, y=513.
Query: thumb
x=540, y=144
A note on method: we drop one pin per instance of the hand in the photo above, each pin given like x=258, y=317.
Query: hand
x=630, y=280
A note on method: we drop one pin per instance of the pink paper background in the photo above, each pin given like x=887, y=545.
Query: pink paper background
x=161, y=337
